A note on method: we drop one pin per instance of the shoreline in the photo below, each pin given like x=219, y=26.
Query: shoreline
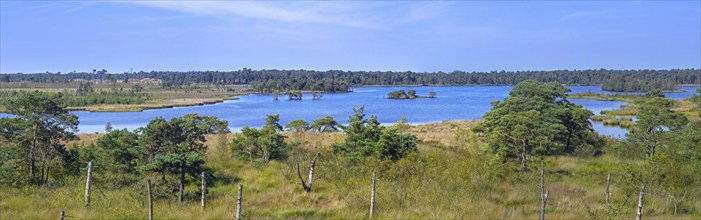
x=141, y=108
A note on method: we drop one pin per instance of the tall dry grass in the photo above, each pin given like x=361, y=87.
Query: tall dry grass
x=452, y=176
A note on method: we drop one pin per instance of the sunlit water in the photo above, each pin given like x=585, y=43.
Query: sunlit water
x=451, y=103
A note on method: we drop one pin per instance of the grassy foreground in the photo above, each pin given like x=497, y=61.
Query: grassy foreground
x=450, y=177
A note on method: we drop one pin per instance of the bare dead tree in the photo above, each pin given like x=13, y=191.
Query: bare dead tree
x=640, y=204
x=238, y=203
x=372, y=196
x=150, y=200
x=308, y=186
x=86, y=203
x=204, y=192
x=543, y=193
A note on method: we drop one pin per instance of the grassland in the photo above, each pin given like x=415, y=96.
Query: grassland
x=683, y=106
x=451, y=176
x=156, y=97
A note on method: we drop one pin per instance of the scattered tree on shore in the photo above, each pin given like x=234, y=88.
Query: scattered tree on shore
x=536, y=118
x=366, y=137
x=326, y=124
x=298, y=126
x=38, y=132
x=266, y=143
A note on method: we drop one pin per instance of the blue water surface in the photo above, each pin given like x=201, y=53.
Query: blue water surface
x=451, y=103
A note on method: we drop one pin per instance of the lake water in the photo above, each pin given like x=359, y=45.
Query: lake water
x=452, y=103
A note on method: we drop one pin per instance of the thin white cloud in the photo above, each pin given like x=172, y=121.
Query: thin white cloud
x=297, y=12
x=350, y=14
x=77, y=8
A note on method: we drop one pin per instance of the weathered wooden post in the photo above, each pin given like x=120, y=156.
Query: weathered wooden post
x=640, y=204
x=608, y=193
x=308, y=186
x=204, y=191
x=63, y=214
x=372, y=196
x=238, y=203
x=182, y=180
x=86, y=203
x=543, y=193
x=150, y=201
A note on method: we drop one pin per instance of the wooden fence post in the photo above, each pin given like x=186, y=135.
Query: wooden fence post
x=372, y=196
x=640, y=204
x=608, y=193
x=543, y=193
x=238, y=203
x=86, y=203
x=182, y=180
x=204, y=192
x=150, y=201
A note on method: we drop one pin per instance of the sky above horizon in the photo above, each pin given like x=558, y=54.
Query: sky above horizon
x=424, y=36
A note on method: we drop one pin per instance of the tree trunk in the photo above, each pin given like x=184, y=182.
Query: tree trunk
x=86, y=203
x=182, y=180
x=238, y=203
x=523, y=156
x=608, y=193
x=640, y=204
x=372, y=196
x=308, y=186
x=204, y=192
x=150, y=201
x=569, y=139
x=31, y=154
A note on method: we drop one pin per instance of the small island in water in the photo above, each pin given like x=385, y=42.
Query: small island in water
x=401, y=94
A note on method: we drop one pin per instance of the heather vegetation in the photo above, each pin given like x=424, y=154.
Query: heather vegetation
x=468, y=169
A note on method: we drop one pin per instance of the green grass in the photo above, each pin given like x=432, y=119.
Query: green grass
x=451, y=177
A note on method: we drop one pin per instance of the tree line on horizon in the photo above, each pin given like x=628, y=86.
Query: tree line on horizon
x=338, y=80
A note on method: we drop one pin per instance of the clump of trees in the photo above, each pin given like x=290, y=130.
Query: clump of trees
x=669, y=144
x=366, y=137
x=84, y=88
x=169, y=149
x=537, y=119
x=294, y=95
x=411, y=94
x=655, y=120
x=34, y=139
x=261, y=144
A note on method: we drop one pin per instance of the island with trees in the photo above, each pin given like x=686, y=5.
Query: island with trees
x=411, y=94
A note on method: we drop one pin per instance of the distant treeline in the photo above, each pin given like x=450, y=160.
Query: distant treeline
x=336, y=80
x=636, y=85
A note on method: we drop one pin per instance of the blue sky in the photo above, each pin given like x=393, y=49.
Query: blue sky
x=65, y=36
